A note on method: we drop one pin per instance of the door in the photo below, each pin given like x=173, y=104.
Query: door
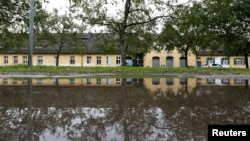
x=170, y=62
x=182, y=61
x=198, y=63
x=155, y=62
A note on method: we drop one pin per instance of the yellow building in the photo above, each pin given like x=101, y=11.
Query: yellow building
x=87, y=53
x=97, y=52
x=232, y=61
x=169, y=59
x=64, y=60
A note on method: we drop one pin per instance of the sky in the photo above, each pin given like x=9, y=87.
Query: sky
x=58, y=4
x=62, y=5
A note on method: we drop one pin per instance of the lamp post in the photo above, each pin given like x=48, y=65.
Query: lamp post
x=31, y=34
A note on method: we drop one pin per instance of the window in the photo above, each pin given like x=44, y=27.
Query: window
x=25, y=82
x=225, y=81
x=224, y=61
x=88, y=59
x=108, y=81
x=72, y=60
x=39, y=81
x=183, y=81
x=15, y=59
x=5, y=60
x=5, y=81
x=25, y=59
x=14, y=81
x=169, y=81
x=72, y=81
x=210, y=81
x=239, y=81
x=98, y=81
x=118, y=60
x=99, y=60
x=210, y=60
x=118, y=81
x=88, y=80
x=108, y=60
x=39, y=60
x=239, y=61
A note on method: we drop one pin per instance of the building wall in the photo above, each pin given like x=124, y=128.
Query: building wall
x=163, y=54
x=64, y=59
x=107, y=82
x=231, y=60
x=166, y=84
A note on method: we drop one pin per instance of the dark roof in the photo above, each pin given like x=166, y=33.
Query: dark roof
x=87, y=43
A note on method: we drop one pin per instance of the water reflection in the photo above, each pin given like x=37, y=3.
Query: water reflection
x=128, y=109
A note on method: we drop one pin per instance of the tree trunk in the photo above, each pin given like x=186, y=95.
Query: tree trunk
x=246, y=60
x=57, y=59
x=122, y=32
x=123, y=55
x=186, y=56
x=122, y=46
x=246, y=55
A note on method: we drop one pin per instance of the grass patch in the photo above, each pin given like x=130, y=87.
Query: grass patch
x=76, y=69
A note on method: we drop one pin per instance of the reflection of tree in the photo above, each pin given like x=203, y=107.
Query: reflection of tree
x=128, y=112
x=124, y=112
x=213, y=105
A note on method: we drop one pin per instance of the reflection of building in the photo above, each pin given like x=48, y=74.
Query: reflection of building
x=108, y=81
x=222, y=82
x=153, y=84
x=173, y=84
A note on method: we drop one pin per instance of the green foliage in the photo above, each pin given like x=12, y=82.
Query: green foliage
x=228, y=24
x=125, y=20
x=59, y=32
x=14, y=23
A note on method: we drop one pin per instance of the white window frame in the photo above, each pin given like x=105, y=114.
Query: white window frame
x=15, y=59
x=108, y=60
x=239, y=61
x=5, y=59
x=72, y=60
x=25, y=59
x=98, y=81
x=224, y=61
x=210, y=60
x=88, y=59
x=118, y=60
x=108, y=81
x=98, y=60
x=39, y=60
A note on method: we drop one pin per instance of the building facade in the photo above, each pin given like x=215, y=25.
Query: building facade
x=64, y=59
x=168, y=59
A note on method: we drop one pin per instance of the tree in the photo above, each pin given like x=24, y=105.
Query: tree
x=125, y=17
x=229, y=23
x=181, y=30
x=14, y=22
x=61, y=33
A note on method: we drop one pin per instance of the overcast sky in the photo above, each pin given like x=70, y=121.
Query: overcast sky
x=58, y=4
x=62, y=5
